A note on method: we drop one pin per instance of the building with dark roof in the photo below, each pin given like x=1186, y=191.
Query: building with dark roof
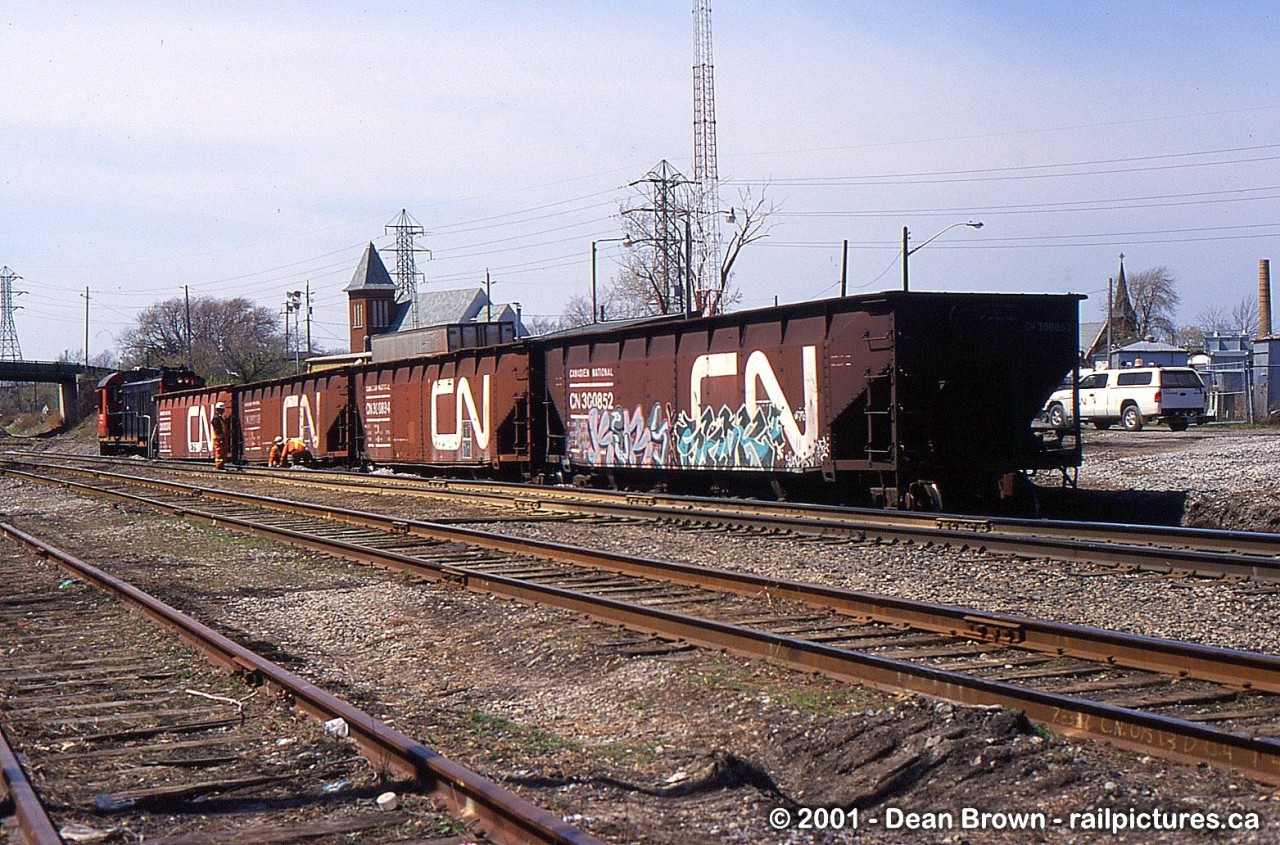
x=389, y=326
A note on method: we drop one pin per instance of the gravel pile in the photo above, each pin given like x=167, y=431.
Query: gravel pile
x=1203, y=478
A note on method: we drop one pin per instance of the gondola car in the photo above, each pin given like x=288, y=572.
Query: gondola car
x=126, y=406
x=913, y=400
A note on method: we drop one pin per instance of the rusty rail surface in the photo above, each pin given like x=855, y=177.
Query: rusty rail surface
x=502, y=815
x=1151, y=733
x=1164, y=549
x=34, y=824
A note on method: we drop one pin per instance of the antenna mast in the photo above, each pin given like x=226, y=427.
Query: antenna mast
x=706, y=174
x=10, y=350
x=407, y=275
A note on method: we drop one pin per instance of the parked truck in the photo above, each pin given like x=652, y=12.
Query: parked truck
x=1133, y=397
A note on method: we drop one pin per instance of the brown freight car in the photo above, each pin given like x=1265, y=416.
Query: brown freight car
x=463, y=410
x=315, y=408
x=183, y=423
x=903, y=399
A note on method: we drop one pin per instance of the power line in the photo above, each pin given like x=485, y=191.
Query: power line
x=1019, y=172
x=1055, y=207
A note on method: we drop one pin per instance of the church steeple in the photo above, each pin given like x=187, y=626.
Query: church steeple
x=1123, y=319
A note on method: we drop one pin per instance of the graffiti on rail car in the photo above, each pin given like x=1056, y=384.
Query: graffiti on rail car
x=764, y=432
x=622, y=438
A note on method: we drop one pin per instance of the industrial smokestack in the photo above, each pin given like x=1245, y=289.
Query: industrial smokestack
x=1264, y=298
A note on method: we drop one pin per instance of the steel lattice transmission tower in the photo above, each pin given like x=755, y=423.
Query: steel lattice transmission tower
x=407, y=275
x=664, y=234
x=10, y=350
x=706, y=175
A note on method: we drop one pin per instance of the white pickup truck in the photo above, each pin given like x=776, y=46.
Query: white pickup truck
x=1133, y=397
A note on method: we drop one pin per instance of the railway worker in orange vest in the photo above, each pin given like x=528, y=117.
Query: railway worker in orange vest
x=292, y=452
x=221, y=435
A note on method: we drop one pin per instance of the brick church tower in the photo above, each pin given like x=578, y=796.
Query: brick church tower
x=371, y=298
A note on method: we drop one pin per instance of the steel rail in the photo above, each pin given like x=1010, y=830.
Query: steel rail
x=1183, y=740
x=1163, y=549
x=1238, y=669
x=501, y=814
x=33, y=822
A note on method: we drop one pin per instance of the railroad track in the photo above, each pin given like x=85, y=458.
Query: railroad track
x=1184, y=701
x=128, y=734
x=1235, y=555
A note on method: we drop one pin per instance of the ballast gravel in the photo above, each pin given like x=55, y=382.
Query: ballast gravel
x=696, y=747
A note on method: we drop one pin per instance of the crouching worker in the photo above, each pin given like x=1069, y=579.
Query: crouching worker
x=291, y=452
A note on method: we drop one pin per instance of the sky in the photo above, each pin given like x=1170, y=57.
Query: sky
x=249, y=149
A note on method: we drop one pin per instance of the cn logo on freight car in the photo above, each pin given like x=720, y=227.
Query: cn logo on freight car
x=463, y=397
x=761, y=431
x=298, y=420
x=199, y=431
x=758, y=373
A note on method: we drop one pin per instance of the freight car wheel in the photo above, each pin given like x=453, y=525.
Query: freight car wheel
x=924, y=496
x=1178, y=423
x=1131, y=418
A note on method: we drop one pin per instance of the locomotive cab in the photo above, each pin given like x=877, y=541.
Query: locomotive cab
x=126, y=405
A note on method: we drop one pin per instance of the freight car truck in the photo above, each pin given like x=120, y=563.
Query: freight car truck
x=916, y=400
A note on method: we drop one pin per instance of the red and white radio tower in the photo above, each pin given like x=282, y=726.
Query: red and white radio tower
x=706, y=176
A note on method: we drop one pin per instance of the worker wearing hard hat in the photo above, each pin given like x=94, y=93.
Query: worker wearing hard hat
x=289, y=452
x=221, y=425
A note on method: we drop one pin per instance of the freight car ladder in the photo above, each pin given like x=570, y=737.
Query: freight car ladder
x=880, y=418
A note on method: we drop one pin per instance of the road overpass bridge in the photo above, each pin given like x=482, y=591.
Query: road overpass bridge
x=74, y=382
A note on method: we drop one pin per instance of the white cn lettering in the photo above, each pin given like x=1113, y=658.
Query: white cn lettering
x=297, y=419
x=199, y=432
x=760, y=371
x=451, y=441
x=705, y=367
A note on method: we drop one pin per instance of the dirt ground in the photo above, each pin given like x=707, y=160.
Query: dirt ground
x=646, y=745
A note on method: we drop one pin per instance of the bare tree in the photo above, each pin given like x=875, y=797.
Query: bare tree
x=1155, y=301
x=751, y=223
x=1244, y=317
x=1190, y=338
x=577, y=312
x=231, y=339
x=1213, y=319
x=656, y=276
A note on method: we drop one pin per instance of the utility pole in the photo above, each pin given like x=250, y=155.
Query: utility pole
x=488, y=298
x=10, y=349
x=672, y=262
x=844, y=270
x=308, y=318
x=86, y=327
x=293, y=305
x=186, y=295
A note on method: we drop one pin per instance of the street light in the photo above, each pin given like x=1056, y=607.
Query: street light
x=595, y=310
x=906, y=253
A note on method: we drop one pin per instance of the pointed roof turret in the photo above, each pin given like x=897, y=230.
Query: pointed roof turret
x=1124, y=319
x=371, y=273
